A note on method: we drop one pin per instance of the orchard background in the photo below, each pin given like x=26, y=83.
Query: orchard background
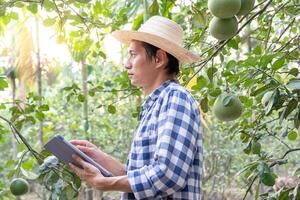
x=85, y=93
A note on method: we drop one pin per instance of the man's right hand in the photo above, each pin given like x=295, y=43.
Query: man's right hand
x=90, y=149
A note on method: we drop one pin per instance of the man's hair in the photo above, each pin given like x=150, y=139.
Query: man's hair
x=172, y=66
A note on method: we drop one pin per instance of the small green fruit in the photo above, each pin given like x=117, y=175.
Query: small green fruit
x=223, y=29
x=227, y=107
x=19, y=186
x=246, y=7
x=292, y=135
x=224, y=8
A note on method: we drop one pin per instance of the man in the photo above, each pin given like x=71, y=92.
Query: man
x=165, y=161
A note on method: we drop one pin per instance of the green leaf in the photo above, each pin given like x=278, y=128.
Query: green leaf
x=292, y=105
x=48, y=5
x=278, y=64
x=111, y=109
x=77, y=181
x=102, y=54
x=68, y=193
x=199, y=20
x=28, y=174
x=204, y=105
x=201, y=81
x=271, y=103
x=51, y=178
x=210, y=72
x=255, y=147
x=294, y=72
x=263, y=168
x=49, y=22
x=14, y=15
x=244, y=137
x=247, y=150
x=138, y=21
x=283, y=195
x=3, y=84
x=265, y=60
x=293, y=84
x=267, y=179
x=257, y=50
x=2, y=106
x=154, y=8
x=215, y=92
x=32, y=7
x=233, y=44
x=264, y=88
x=251, y=166
x=44, y=107
x=40, y=116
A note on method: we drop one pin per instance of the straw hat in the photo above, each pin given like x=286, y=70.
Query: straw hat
x=162, y=33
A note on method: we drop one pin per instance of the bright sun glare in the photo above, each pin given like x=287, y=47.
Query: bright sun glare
x=49, y=47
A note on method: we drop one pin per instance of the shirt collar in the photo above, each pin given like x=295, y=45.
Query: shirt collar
x=156, y=92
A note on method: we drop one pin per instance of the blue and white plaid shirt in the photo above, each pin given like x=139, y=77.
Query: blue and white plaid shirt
x=166, y=156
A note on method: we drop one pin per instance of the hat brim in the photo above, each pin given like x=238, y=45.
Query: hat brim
x=182, y=54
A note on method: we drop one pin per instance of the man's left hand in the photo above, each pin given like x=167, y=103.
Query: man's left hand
x=90, y=174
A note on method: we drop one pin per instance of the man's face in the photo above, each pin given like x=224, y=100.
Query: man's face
x=141, y=70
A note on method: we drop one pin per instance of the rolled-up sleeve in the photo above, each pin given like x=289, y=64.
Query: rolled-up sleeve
x=177, y=129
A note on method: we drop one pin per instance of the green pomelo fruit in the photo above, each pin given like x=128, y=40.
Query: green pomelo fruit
x=224, y=8
x=227, y=107
x=246, y=7
x=19, y=186
x=223, y=29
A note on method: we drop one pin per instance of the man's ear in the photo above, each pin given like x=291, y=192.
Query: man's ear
x=161, y=58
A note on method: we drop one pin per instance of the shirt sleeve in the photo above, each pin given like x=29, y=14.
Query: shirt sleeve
x=178, y=127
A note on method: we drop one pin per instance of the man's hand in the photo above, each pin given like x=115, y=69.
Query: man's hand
x=90, y=174
x=93, y=177
x=90, y=149
x=107, y=161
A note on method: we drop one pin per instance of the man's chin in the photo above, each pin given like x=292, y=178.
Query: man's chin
x=134, y=83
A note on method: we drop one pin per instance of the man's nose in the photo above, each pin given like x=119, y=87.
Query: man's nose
x=127, y=64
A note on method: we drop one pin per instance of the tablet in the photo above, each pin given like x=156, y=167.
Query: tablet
x=64, y=150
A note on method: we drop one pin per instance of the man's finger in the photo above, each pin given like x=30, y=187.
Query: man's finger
x=80, y=161
x=76, y=169
x=79, y=142
x=84, y=149
x=87, y=167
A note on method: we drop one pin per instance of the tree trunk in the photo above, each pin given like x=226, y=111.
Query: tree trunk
x=39, y=79
x=12, y=78
x=85, y=103
x=97, y=194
